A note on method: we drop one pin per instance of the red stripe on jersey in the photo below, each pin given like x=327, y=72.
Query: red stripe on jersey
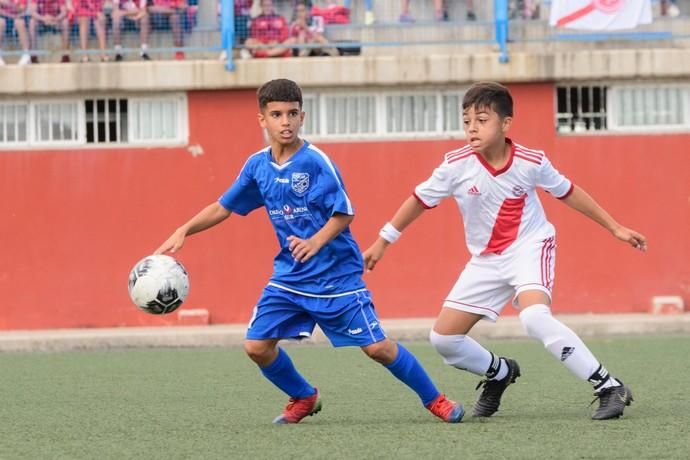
x=455, y=153
x=541, y=262
x=474, y=306
x=506, y=226
x=528, y=154
x=424, y=205
x=531, y=160
x=549, y=280
x=538, y=153
x=460, y=157
x=567, y=194
x=544, y=261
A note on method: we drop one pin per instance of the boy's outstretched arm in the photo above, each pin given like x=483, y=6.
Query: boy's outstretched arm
x=211, y=215
x=303, y=250
x=410, y=210
x=581, y=201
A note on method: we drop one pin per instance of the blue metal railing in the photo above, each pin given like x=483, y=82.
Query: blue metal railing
x=227, y=31
x=501, y=21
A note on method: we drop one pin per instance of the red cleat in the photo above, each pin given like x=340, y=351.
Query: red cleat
x=297, y=409
x=445, y=409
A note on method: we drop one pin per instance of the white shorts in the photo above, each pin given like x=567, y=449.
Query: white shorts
x=488, y=282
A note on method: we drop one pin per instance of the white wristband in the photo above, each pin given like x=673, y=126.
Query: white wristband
x=390, y=233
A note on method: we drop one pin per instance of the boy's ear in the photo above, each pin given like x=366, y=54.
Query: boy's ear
x=507, y=122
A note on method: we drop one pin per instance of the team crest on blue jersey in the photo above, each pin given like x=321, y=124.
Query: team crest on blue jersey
x=300, y=182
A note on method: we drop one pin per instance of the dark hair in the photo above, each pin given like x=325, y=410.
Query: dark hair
x=279, y=90
x=489, y=94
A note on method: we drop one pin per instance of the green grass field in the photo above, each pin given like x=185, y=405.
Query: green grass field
x=205, y=404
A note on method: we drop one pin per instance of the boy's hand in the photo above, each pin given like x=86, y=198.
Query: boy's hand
x=302, y=250
x=636, y=240
x=374, y=254
x=172, y=244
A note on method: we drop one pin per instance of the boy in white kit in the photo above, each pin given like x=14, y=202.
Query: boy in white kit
x=513, y=250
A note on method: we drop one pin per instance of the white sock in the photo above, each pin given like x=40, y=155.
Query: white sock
x=564, y=345
x=465, y=353
x=502, y=369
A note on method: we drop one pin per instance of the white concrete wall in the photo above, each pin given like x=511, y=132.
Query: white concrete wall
x=346, y=71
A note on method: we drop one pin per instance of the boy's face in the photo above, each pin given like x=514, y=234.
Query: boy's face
x=282, y=121
x=484, y=128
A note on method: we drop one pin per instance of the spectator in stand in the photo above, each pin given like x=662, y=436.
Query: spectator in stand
x=269, y=28
x=407, y=18
x=523, y=9
x=344, y=13
x=332, y=13
x=134, y=12
x=304, y=34
x=440, y=11
x=669, y=8
x=85, y=11
x=173, y=9
x=48, y=15
x=15, y=12
x=243, y=10
x=369, y=17
x=471, y=15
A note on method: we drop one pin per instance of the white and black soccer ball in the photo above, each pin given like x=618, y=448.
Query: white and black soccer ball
x=158, y=284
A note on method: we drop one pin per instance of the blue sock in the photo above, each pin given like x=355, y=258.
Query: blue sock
x=282, y=373
x=409, y=371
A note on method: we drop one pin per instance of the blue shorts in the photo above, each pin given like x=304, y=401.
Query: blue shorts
x=349, y=320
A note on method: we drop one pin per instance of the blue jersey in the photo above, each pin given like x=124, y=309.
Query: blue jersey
x=300, y=196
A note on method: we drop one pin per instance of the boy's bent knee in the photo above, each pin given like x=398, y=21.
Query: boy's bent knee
x=262, y=352
x=462, y=352
x=532, y=319
x=446, y=345
x=383, y=352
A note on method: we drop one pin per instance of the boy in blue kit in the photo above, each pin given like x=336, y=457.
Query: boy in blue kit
x=317, y=272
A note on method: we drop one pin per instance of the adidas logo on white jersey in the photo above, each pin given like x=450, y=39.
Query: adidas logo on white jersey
x=474, y=191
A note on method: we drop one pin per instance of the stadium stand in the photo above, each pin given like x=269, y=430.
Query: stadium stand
x=194, y=28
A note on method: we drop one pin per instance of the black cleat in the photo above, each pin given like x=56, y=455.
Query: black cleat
x=118, y=57
x=612, y=401
x=490, y=399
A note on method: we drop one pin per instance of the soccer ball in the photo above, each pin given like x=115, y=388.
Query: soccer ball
x=158, y=284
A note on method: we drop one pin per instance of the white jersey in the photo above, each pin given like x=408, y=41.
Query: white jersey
x=499, y=207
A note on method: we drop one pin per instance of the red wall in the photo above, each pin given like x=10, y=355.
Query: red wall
x=75, y=222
